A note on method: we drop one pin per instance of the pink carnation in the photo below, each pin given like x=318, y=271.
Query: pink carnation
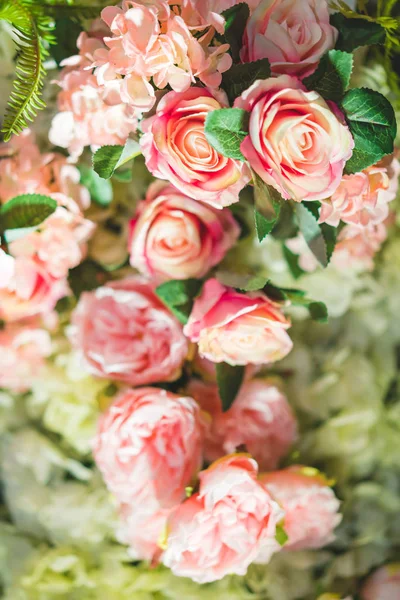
x=146, y=45
x=260, y=420
x=176, y=149
x=22, y=349
x=297, y=142
x=384, y=584
x=125, y=333
x=223, y=528
x=149, y=447
x=90, y=115
x=238, y=328
x=292, y=34
x=175, y=237
x=311, y=508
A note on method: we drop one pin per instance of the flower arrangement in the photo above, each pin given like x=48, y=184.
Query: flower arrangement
x=199, y=289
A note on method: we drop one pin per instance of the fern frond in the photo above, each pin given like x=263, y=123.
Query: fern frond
x=31, y=30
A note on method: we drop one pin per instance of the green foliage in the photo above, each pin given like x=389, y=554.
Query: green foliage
x=100, y=190
x=240, y=77
x=27, y=210
x=356, y=32
x=292, y=261
x=108, y=159
x=320, y=237
x=229, y=380
x=372, y=123
x=332, y=77
x=281, y=536
x=235, y=22
x=179, y=296
x=225, y=130
x=267, y=207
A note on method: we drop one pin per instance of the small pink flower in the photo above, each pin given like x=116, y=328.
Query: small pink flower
x=223, y=528
x=292, y=34
x=238, y=328
x=384, y=584
x=142, y=529
x=199, y=14
x=356, y=248
x=175, y=237
x=22, y=349
x=311, y=508
x=297, y=142
x=149, y=447
x=176, y=149
x=260, y=419
x=125, y=333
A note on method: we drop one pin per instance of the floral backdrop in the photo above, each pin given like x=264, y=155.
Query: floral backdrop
x=199, y=300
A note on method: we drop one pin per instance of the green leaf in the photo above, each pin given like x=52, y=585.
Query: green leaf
x=27, y=210
x=235, y=23
x=332, y=76
x=292, y=260
x=109, y=158
x=354, y=33
x=320, y=238
x=280, y=535
x=240, y=77
x=225, y=130
x=100, y=189
x=229, y=380
x=372, y=123
x=179, y=296
x=267, y=205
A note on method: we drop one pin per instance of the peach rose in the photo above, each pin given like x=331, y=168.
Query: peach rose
x=125, y=333
x=176, y=149
x=260, y=419
x=199, y=14
x=31, y=290
x=222, y=528
x=311, y=508
x=384, y=584
x=149, y=447
x=238, y=328
x=175, y=237
x=297, y=142
x=292, y=34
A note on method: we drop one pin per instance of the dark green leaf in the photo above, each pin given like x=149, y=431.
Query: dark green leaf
x=226, y=129
x=354, y=33
x=240, y=77
x=27, y=210
x=66, y=33
x=332, y=77
x=235, y=22
x=281, y=536
x=123, y=176
x=320, y=238
x=229, y=380
x=292, y=260
x=318, y=312
x=178, y=296
x=372, y=123
x=100, y=189
x=109, y=158
x=86, y=277
x=267, y=204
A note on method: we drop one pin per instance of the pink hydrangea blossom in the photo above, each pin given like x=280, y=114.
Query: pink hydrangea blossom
x=125, y=333
x=175, y=237
x=149, y=446
x=260, y=420
x=199, y=14
x=310, y=505
x=356, y=248
x=292, y=34
x=223, y=527
x=384, y=584
x=238, y=328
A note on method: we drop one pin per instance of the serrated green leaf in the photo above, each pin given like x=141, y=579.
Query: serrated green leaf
x=225, y=130
x=229, y=380
x=240, y=77
x=354, y=33
x=292, y=261
x=280, y=535
x=311, y=230
x=109, y=158
x=267, y=204
x=332, y=76
x=372, y=123
x=179, y=295
x=235, y=23
x=27, y=210
x=100, y=189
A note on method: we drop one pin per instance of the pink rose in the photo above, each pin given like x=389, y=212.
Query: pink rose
x=175, y=237
x=292, y=34
x=260, y=419
x=296, y=142
x=199, y=14
x=22, y=349
x=384, y=584
x=222, y=528
x=31, y=291
x=7, y=265
x=149, y=447
x=311, y=508
x=176, y=149
x=125, y=333
x=142, y=528
x=356, y=248
x=238, y=328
